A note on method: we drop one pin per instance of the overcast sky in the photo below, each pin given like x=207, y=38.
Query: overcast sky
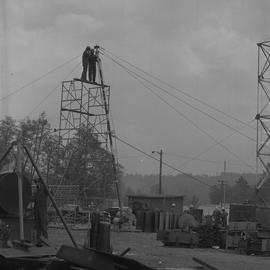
x=204, y=48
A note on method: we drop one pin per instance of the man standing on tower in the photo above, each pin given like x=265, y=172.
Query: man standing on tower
x=92, y=66
x=85, y=63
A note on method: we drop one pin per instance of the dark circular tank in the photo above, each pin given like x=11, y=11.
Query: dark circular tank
x=9, y=198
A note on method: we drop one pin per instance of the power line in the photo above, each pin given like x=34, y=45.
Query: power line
x=37, y=79
x=183, y=101
x=54, y=89
x=126, y=157
x=203, y=131
x=210, y=147
x=134, y=75
x=200, y=159
x=178, y=90
x=184, y=157
x=164, y=163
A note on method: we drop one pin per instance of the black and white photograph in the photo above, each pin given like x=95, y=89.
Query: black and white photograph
x=135, y=134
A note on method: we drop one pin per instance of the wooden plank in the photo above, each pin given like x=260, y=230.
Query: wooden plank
x=161, y=221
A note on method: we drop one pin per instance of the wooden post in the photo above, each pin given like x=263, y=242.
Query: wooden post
x=20, y=189
x=167, y=220
x=161, y=221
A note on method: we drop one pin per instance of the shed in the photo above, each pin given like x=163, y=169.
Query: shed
x=165, y=203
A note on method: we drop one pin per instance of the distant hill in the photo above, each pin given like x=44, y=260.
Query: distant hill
x=180, y=184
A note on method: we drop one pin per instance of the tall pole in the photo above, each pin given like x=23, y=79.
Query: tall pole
x=50, y=196
x=223, y=186
x=106, y=107
x=160, y=171
x=262, y=116
x=20, y=189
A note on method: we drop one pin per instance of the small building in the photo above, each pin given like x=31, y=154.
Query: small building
x=164, y=203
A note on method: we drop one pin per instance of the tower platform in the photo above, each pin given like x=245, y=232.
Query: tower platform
x=93, y=83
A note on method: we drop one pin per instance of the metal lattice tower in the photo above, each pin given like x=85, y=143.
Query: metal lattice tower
x=85, y=104
x=82, y=104
x=263, y=109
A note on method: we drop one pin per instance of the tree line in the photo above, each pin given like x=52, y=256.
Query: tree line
x=83, y=161
x=241, y=192
x=239, y=188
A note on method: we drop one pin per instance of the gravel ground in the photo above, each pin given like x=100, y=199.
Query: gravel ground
x=146, y=249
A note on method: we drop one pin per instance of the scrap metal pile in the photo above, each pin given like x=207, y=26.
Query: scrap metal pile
x=23, y=230
x=210, y=236
x=249, y=229
x=194, y=230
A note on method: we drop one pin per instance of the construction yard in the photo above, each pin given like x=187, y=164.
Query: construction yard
x=146, y=249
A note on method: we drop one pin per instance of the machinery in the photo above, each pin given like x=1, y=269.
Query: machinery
x=249, y=229
x=23, y=224
x=9, y=209
x=193, y=231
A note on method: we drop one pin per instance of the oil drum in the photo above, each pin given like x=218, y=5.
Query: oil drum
x=9, y=198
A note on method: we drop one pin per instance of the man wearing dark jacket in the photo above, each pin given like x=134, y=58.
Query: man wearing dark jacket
x=92, y=66
x=85, y=63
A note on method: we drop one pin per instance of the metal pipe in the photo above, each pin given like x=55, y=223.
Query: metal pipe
x=204, y=264
x=6, y=153
x=125, y=252
x=106, y=107
x=50, y=196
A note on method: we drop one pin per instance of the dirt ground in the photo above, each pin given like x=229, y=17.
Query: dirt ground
x=146, y=249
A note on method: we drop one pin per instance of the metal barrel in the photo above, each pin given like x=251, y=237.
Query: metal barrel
x=9, y=199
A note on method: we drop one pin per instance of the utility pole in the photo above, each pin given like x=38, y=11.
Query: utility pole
x=223, y=186
x=160, y=170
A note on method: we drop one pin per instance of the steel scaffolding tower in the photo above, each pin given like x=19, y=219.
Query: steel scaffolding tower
x=86, y=104
x=263, y=109
x=82, y=105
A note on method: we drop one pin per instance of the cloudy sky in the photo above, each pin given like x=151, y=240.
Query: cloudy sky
x=203, y=53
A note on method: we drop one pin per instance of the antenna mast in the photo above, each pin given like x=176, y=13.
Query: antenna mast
x=263, y=110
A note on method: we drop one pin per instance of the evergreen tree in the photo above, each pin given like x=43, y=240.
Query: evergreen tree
x=237, y=193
